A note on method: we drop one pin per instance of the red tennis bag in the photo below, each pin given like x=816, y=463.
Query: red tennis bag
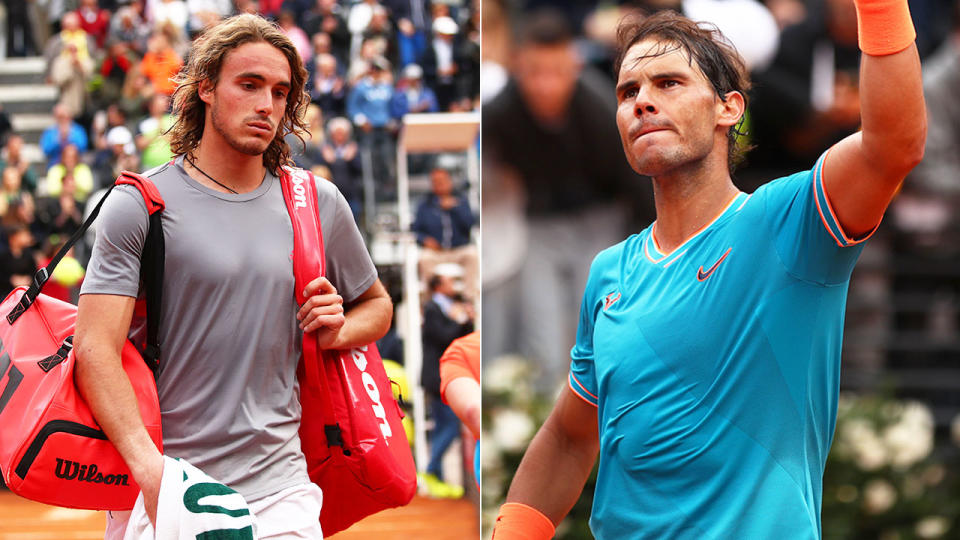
x=51, y=448
x=351, y=431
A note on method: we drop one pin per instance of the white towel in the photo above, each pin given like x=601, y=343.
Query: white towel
x=192, y=505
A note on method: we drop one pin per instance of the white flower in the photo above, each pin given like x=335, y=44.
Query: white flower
x=878, y=496
x=490, y=452
x=868, y=450
x=512, y=430
x=911, y=438
x=932, y=527
x=505, y=372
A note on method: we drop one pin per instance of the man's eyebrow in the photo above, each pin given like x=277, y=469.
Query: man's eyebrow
x=261, y=78
x=625, y=85
x=655, y=77
x=670, y=75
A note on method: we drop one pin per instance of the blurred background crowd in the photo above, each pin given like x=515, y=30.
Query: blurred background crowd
x=85, y=92
x=92, y=96
x=557, y=189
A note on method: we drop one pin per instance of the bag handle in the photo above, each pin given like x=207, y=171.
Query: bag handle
x=300, y=197
x=151, y=263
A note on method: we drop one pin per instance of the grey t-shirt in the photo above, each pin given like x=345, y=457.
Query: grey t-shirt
x=228, y=330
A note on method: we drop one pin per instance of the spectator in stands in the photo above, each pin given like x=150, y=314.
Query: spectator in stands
x=12, y=158
x=413, y=23
x=64, y=131
x=118, y=154
x=136, y=94
x=11, y=188
x=247, y=6
x=326, y=16
x=329, y=89
x=440, y=61
x=445, y=318
x=153, y=145
x=129, y=26
x=411, y=96
x=18, y=263
x=340, y=153
x=71, y=33
x=306, y=152
x=113, y=70
x=809, y=97
x=550, y=129
x=19, y=30
x=368, y=105
x=361, y=64
x=70, y=72
x=296, y=34
x=161, y=62
x=174, y=12
x=379, y=30
x=204, y=13
x=357, y=22
x=70, y=166
x=20, y=210
x=94, y=21
x=61, y=212
x=321, y=45
x=442, y=225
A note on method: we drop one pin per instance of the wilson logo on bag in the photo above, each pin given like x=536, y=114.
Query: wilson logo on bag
x=51, y=448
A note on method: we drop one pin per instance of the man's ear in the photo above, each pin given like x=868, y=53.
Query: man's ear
x=731, y=110
x=205, y=91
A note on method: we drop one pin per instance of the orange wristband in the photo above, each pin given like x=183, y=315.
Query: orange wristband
x=518, y=521
x=884, y=26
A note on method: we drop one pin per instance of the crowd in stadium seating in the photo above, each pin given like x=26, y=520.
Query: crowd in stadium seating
x=112, y=61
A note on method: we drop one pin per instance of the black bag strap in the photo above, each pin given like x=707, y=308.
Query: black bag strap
x=151, y=263
x=42, y=275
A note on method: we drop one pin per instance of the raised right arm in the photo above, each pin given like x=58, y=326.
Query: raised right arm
x=556, y=464
x=103, y=321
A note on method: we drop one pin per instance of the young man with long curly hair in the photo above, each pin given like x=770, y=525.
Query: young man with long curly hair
x=230, y=328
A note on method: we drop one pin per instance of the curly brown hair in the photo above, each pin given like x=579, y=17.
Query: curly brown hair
x=704, y=44
x=206, y=59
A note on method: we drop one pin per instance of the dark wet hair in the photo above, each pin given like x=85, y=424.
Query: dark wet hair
x=544, y=27
x=703, y=43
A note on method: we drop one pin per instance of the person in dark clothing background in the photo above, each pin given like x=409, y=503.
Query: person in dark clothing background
x=550, y=129
x=442, y=226
x=445, y=318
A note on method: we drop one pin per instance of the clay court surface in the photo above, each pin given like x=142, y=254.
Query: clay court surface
x=426, y=519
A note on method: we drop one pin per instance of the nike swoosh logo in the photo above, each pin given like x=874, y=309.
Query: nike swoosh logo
x=611, y=298
x=702, y=276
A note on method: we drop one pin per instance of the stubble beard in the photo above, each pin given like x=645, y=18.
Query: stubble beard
x=253, y=147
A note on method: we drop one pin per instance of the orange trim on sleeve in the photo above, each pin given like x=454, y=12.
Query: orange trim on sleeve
x=584, y=390
x=818, y=176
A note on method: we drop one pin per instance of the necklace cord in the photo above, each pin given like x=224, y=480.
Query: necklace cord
x=214, y=180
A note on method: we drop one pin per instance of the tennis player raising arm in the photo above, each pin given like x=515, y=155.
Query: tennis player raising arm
x=863, y=172
x=695, y=371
